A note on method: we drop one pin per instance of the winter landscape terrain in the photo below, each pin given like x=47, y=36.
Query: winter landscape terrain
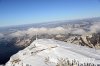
x=47, y=52
x=59, y=43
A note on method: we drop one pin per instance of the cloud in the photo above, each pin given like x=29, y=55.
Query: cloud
x=78, y=31
x=34, y=31
x=18, y=34
x=1, y=35
x=57, y=30
x=95, y=28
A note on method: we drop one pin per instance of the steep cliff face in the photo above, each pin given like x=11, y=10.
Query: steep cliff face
x=49, y=52
x=89, y=40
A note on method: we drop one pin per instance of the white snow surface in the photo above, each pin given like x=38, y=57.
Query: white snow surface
x=40, y=50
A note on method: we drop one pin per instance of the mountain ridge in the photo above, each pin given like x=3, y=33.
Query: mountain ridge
x=42, y=49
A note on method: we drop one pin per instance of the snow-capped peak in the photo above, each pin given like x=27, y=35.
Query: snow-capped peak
x=47, y=52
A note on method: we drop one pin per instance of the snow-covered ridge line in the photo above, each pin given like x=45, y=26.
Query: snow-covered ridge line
x=51, y=50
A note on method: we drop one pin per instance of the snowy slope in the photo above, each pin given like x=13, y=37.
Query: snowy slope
x=46, y=52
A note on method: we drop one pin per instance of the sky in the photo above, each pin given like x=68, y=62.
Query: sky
x=18, y=12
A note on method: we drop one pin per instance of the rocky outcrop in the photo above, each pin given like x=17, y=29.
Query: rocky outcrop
x=91, y=40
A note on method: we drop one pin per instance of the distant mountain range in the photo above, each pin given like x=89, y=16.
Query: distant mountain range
x=48, y=24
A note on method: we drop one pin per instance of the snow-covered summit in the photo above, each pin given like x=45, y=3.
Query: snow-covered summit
x=46, y=52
